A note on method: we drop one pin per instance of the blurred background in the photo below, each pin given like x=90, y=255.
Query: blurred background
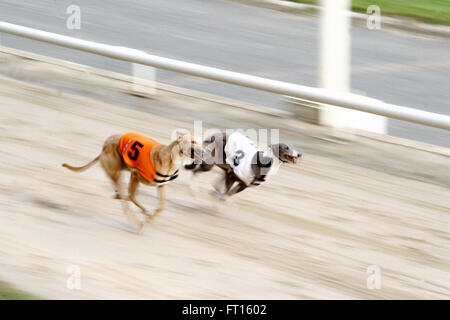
x=409, y=69
x=361, y=200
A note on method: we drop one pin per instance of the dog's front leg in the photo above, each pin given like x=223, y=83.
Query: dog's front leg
x=240, y=187
x=219, y=184
x=229, y=180
x=162, y=198
x=162, y=201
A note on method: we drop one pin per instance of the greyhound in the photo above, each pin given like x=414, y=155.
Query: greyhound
x=150, y=162
x=241, y=160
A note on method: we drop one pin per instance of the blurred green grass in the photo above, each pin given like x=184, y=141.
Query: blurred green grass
x=431, y=11
x=7, y=292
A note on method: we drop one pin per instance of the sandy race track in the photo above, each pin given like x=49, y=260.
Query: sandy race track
x=311, y=232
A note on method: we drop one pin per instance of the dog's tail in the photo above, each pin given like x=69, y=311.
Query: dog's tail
x=86, y=166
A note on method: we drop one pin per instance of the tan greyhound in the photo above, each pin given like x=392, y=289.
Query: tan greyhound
x=149, y=162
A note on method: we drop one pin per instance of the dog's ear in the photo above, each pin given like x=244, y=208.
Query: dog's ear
x=283, y=147
x=181, y=134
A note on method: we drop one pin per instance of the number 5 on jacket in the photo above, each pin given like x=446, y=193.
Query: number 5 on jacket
x=135, y=149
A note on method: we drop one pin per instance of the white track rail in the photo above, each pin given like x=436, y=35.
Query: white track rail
x=345, y=100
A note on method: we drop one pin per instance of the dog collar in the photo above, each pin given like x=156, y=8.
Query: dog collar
x=165, y=177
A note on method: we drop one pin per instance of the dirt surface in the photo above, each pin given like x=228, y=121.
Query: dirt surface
x=309, y=233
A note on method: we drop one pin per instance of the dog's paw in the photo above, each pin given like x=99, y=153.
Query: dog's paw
x=139, y=227
x=219, y=195
x=149, y=217
x=117, y=196
x=134, y=219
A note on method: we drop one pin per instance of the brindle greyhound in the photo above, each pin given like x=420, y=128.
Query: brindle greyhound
x=214, y=155
x=149, y=162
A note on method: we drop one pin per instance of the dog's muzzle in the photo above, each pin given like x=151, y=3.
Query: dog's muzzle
x=292, y=158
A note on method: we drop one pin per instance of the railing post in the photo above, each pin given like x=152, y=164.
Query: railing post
x=335, y=55
x=144, y=79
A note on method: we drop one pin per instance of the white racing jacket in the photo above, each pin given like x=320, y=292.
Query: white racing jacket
x=239, y=151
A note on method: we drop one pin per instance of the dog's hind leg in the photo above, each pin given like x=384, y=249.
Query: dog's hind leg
x=199, y=167
x=119, y=190
x=226, y=182
x=219, y=185
x=196, y=168
x=112, y=165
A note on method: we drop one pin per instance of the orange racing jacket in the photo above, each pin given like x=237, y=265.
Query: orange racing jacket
x=136, y=152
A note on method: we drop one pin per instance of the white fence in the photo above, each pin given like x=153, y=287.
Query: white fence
x=346, y=100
